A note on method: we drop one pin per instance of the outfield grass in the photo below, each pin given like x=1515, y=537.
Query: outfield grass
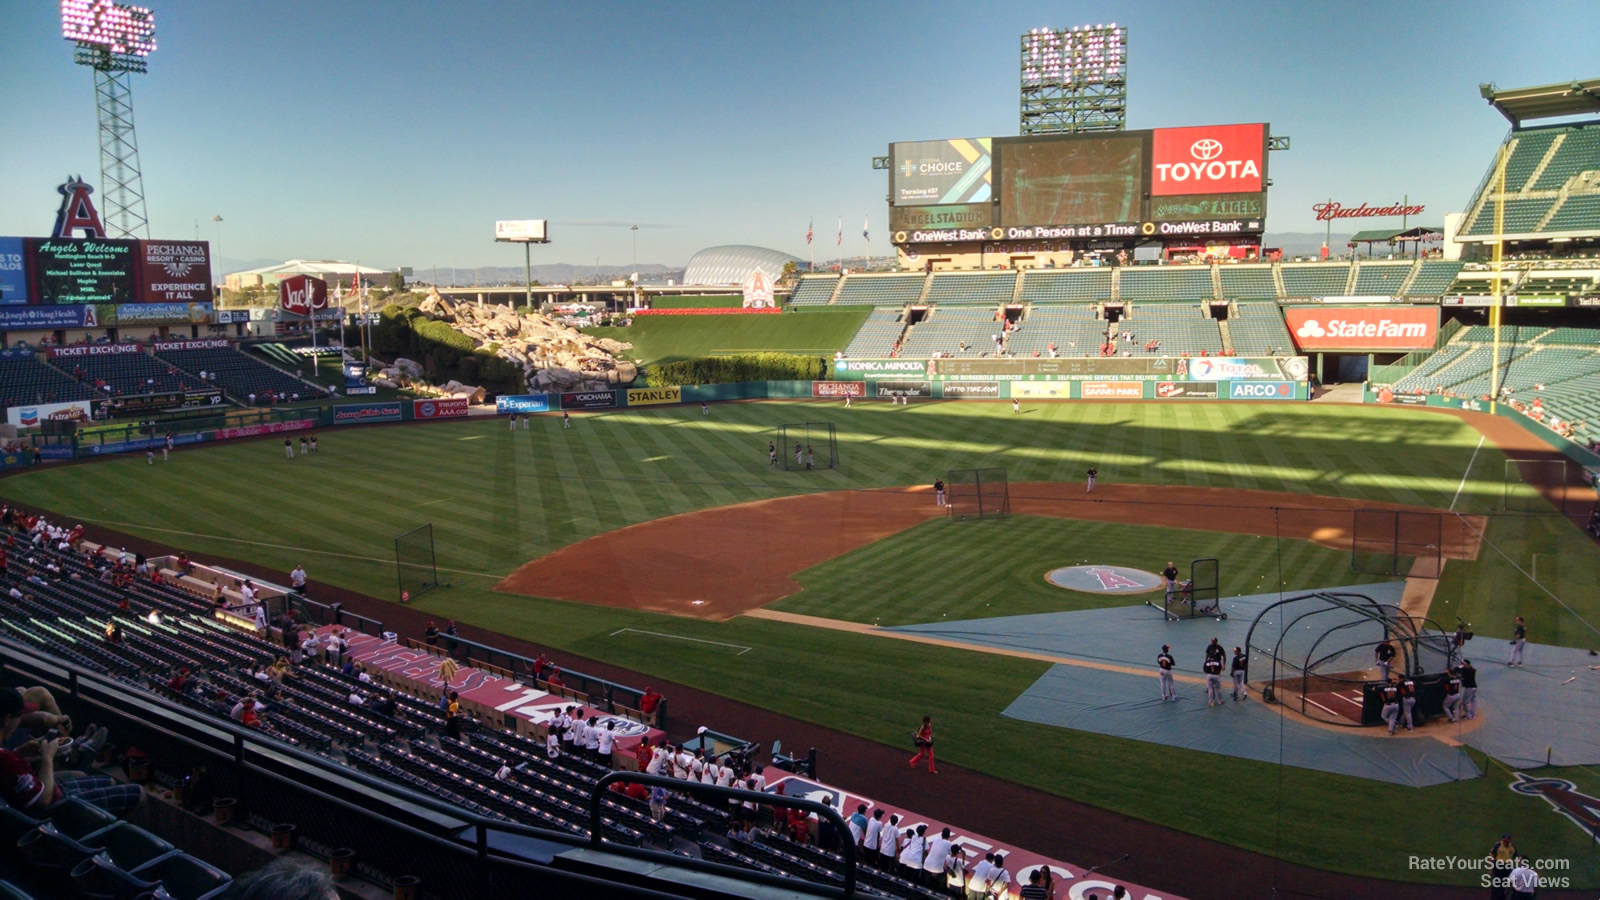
x=658, y=339
x=497, y=499
x=969, y=570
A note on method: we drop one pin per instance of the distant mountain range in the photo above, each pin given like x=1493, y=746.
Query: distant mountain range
x=545, y=273
x=1305, y=243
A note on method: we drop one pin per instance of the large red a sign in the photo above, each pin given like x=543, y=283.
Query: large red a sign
x=1363, y=328
x=1208, y=159
x=301, y=294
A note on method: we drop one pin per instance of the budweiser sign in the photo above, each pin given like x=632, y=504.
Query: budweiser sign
x=1327, y=212
x=1397, y=328
x=1210, y=159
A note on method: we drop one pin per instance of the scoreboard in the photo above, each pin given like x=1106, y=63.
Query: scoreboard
x=1193, y=182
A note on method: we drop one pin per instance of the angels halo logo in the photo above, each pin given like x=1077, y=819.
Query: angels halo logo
x=1206, y=149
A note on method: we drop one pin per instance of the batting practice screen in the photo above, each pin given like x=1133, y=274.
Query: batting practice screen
x=977, y=493
x=414, y=561
x=808, y=445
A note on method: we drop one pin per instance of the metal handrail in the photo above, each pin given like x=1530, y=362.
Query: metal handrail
x=722, y=793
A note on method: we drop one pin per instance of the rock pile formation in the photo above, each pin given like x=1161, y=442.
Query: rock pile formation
x=553, y=357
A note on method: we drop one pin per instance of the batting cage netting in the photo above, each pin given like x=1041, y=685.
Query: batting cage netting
x=1199, y=597
x=977, y=493
x=414, y=561
x=1316, y=653
x=808, y=445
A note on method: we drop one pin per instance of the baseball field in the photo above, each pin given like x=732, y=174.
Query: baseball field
x=597, y=540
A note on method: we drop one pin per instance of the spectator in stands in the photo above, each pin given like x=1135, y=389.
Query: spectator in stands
x=999, y=877
x=311, y=649
x=37, y=789
x=1035, y=889
x=357, y=698
x=555, y=678
x=453, y=716
x=430, y=635
x=912, y=854
x=285, y=879
x=827, y=832
x=649, y=701
x=591, y=739
x=280, y=669
x=607, y=743
x=933, y=863
x=297, y=580
x=889, y=844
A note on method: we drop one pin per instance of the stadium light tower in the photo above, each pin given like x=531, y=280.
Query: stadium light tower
x=1075, y=79
x=114, y=40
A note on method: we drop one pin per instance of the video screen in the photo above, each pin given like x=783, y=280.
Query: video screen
x=1071, y=181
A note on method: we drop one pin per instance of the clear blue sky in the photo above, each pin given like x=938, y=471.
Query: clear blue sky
x=396, y=133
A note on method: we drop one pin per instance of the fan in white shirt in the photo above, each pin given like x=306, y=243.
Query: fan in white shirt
x=889, y=841
x=911, y=855
x=657, y=763
x=978, y=882
x=999, y=878
x=580, y=734
x=938, y=854
x=607, y=740
x=869, y=839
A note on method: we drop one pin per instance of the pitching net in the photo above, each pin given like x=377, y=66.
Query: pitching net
x=1197, y=598
x=977, y=493
x=808, y=445
x=1543, y=487
x=414, y=561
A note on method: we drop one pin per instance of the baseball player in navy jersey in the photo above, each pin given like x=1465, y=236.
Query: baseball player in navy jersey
x=1213, y=669
x=1408, y=700
x=1519, y=639
x=1469, y=689
x=1165, y=663
x=1390, y=693
x=1240, y=663
x=1384, y=654
x=1452, y=694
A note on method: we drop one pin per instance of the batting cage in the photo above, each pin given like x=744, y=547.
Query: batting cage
x=1399, y=543
x=414, y=561
x=977, y=493
x=1316, y=653
x=808, y=445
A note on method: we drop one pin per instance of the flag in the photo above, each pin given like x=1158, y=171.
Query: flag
x=808, y=230
x=355, y=283
x=841, y=232
x=864, y=229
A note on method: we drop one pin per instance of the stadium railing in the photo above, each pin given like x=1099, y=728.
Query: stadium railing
x=394, y=832
x=334, y=614
x=517, y=667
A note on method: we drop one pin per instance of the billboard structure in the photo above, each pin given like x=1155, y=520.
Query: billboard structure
x=526, y=232
x=1095, y=191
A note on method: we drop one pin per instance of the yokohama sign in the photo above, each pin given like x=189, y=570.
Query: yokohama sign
x=1209, y=159
x=1361, y=328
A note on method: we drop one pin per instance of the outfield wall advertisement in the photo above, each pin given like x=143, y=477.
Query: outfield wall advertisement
x=439, y=408
x=838, y=388
x=1063, y=389
x=1097, y=369
x=590, y=400
x=654, y=396
x=356, y=413
x=518, y=404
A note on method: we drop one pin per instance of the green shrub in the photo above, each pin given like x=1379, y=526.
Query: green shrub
x=738, y=367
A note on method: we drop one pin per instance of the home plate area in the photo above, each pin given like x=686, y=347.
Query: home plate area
x=1106, y=683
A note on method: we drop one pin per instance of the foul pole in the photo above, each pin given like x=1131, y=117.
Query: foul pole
x=1498, y=262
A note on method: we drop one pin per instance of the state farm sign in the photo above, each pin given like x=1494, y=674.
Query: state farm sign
x=1208, y=159
x=1360, y=328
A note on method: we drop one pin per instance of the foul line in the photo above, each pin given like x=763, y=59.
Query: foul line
x=217, y=537
x=742, y=648
x=1464, y=475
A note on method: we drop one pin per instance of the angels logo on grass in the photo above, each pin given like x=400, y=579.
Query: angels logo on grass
x=1579, y=808
x=1094, y=579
